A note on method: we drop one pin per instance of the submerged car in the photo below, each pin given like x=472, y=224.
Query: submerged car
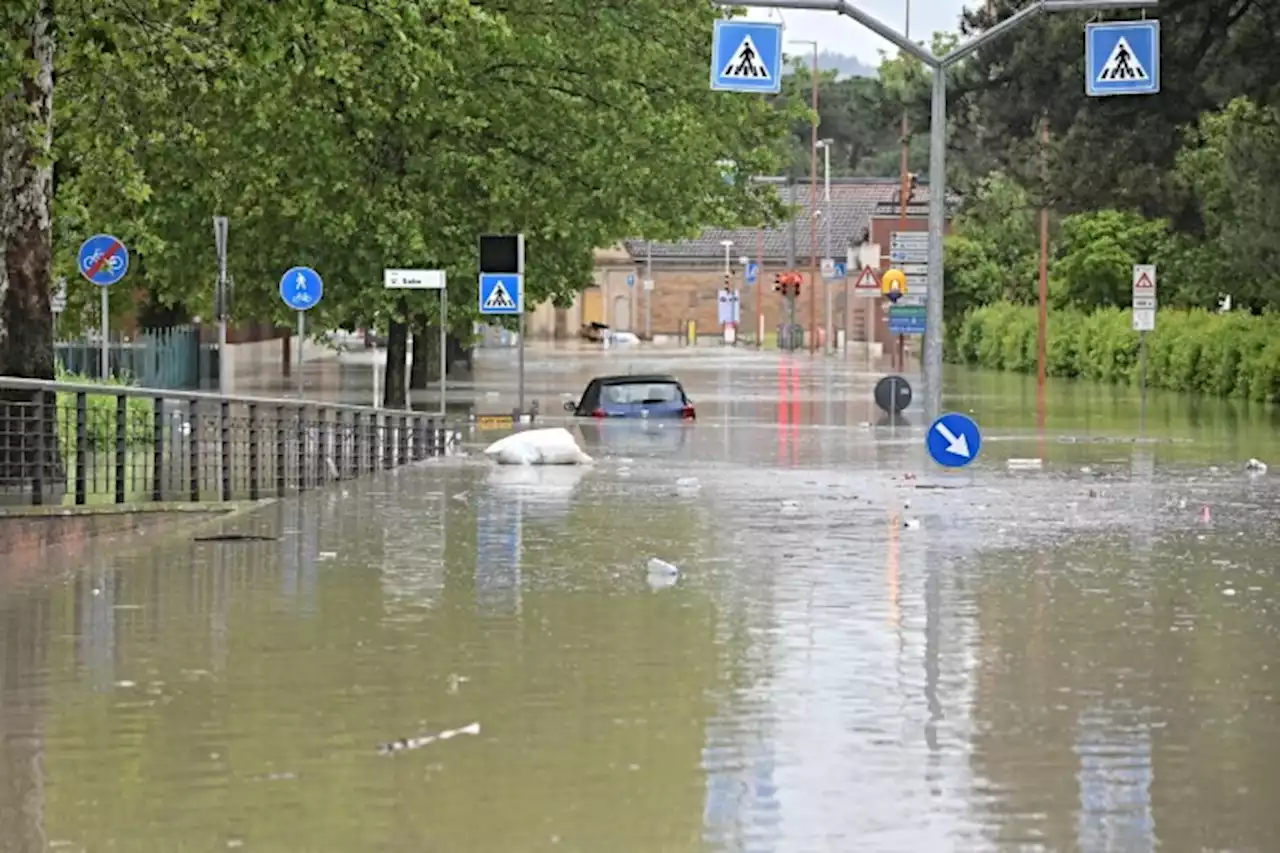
x=634, y=396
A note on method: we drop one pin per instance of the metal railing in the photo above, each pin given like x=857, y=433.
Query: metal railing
x=70, y=443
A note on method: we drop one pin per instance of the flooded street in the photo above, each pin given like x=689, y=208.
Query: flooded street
x=861, y=652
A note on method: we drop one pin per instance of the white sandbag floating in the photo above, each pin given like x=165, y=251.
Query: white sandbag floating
x=551, y=446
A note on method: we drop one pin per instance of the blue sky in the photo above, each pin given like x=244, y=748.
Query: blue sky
x=841, y=35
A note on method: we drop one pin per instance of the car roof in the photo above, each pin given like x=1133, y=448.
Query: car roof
x=635, y=379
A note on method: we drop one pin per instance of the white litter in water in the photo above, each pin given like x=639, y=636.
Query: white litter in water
x=790, y=508
x=625, y=338
x=912, y=524
x=661, y=567
x=1228, y=591
x=1025, y=464
x=423, y=740
x=552, y=446
x=1255, y=466
x=661, y=574
x=327, y=555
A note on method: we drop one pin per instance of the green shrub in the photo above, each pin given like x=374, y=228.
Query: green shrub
x=1235, y=354
x=100, y=416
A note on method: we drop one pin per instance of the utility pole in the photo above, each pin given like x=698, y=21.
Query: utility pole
x=827, y=216
x=1042, y=332
x=813, y=201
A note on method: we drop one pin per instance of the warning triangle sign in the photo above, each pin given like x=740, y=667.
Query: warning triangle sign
x=1122, y=65
x=867, y=280
x=1144, y=281
x=745, y=64
x=499, y=298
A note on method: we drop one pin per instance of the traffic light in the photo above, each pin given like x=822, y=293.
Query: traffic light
x=787, y=283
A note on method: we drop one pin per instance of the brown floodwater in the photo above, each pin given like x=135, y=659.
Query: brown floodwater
x=862, y=651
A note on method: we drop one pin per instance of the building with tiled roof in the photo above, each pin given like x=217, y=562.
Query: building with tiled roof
x=688, y=275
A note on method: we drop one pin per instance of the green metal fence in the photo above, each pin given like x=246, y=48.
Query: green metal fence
x=171, y=358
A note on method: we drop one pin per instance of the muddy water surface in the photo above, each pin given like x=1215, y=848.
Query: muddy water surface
x=861, y=653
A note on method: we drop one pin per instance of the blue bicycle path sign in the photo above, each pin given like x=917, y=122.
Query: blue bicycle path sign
x=103, y=260
x=301, y=288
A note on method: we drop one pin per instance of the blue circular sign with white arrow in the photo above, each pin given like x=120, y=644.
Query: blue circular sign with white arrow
x=954, y=440
x=103, y=260
x=301, y=288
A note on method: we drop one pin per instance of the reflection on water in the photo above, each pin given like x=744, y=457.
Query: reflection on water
x=1070, y=659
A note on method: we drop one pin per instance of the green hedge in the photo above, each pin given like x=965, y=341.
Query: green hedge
x=1227, y=355
x=100, y=416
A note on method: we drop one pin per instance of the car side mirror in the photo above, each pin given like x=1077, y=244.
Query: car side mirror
x=570, y=406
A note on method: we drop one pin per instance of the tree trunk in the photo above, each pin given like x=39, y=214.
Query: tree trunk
x=459, y=355
x=26, y=244
x=421, y=371
x=397, y=355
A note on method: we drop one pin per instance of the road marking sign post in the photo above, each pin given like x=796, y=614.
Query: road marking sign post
x=501, y=290
x=301, y=288
x=953, y=440
x=1144, y=320
x=752, y=273
x=103, y=260
x=746, y=56
x=1122, y=58
x=892, y=394
x=420, y=280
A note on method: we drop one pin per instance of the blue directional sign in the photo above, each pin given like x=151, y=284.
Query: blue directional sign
x=301, y=288
x=953, y=440
x=631, y=279
x=103, y=260
x=907, y=320
x=839, y=269
x=746, y=56
x=1122, y=58
x=501, y=293
x=753, y=273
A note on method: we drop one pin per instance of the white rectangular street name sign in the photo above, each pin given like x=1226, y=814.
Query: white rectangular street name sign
x=413, y=279
x=908, y=238
x=1144, y=297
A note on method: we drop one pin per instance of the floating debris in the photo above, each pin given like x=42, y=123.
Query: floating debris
x=403, y=744
x=1255, y=466
x=1030, y=464
x=234, y=537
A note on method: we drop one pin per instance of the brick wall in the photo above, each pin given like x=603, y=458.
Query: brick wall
x=681, y=295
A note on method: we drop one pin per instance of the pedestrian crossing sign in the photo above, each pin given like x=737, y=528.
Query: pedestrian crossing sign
x=1122, y=58
x=501, y=293
x=746, y=56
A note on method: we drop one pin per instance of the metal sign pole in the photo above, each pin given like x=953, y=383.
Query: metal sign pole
x=106, y=322
x=444, y=348
x=1142, y=382
x=302, y=336
x=521, y=397
x=377, y=397
x=220, y=244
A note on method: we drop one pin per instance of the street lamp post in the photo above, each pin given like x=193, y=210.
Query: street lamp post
x=828, y=215
x=938, y=134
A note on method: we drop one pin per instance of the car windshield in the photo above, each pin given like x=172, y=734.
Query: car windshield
x=641, y=392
